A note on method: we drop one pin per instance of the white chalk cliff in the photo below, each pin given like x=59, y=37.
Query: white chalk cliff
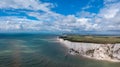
x=109, y=52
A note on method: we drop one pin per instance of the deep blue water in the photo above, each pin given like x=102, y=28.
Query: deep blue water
x=41, y=50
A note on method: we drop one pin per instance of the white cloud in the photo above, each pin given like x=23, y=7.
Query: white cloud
x=106, y=19
x=109, y=13
x=106, y=2
x=13, y=23
x=25, y=4
x=85, y=14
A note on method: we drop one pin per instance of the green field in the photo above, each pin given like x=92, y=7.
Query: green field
x=92, y=39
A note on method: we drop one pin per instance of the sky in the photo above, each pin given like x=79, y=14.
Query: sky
x=60, y=16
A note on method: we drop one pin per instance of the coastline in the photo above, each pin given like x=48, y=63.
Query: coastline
x=107, y=52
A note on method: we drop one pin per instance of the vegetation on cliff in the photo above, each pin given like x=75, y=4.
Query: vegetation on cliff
x=92, y=39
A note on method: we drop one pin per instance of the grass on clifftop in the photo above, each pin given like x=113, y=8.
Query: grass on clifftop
x=92, y=39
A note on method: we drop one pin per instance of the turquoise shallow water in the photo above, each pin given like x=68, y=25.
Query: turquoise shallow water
x=40, y=50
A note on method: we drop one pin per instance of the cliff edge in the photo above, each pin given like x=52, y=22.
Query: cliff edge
x=109, y=52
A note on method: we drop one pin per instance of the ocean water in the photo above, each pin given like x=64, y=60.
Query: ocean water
x=41, y=50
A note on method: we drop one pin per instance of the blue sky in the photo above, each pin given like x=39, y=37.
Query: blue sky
x=67, y=7
x=73, y=16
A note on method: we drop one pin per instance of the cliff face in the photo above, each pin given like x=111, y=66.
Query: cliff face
x=110, y=52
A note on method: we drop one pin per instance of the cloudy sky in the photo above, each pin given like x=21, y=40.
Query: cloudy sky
x=60, y=16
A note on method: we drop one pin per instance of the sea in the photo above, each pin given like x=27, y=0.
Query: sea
x=41, y=50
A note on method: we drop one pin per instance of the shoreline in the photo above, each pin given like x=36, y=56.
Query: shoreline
x=94, y=51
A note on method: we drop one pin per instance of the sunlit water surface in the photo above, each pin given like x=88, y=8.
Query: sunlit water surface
x=41, y=50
